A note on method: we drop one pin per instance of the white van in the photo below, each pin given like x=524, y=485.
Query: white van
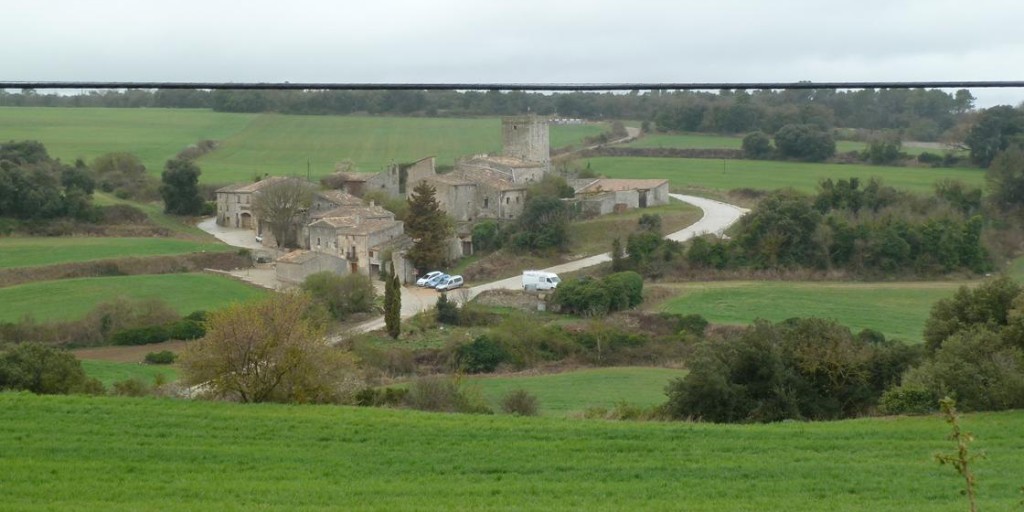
x=539, y=280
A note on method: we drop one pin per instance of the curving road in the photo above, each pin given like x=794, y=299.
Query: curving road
x=718, y=216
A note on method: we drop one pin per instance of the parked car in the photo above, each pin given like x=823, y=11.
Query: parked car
x=449, y=284
x=427, y=277
x=436, y=280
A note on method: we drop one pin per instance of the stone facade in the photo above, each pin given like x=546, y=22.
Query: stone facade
x=527, y=138
x=603, y=196
x=296, y=266
x=234, y=203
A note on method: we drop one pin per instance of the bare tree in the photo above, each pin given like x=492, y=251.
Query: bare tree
x=281, y=206
x=269, y=351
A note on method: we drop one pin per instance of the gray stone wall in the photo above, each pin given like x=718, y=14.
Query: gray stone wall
x=526, y=138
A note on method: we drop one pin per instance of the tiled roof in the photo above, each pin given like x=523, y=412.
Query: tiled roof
x=353, y=225
x=253, y=187
x=493, y=179
x=448, y=179
x=297, y=257
x=340, y=198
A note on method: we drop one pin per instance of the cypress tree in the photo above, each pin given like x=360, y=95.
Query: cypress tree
x=393, y=306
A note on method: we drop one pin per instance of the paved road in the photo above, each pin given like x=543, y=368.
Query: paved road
x=718, y=216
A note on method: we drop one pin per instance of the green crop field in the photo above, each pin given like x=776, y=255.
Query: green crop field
x=559, y=394
x=88, y=453
x=898, y=310
x=702, y=173
x=254, y=144
x=711, y=141
x=69, y=299
x=38, y=251
x=109, y=372
x=154, y=135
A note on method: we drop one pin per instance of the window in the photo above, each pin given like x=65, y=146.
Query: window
x=508, y=200
x=486, y=201
x=517, y=199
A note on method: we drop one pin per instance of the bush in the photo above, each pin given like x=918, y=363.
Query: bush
x=43, y=370
x=341, y=295
x=805, y=142
x=162, y=357
x=186, y=330
x=141, y=335
x=482, y=355
x=131, y=387
x=377, y=397
x=693, y=324
x=591, y=297
x=520, y=403
x=757, y=146
x=908, y=400
x=447, y=311
x=443, y=394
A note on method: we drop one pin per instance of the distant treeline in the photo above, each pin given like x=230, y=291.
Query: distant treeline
x=921, y=114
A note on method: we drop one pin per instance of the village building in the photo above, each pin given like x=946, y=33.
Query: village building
x=601, y=196
x=234, y=203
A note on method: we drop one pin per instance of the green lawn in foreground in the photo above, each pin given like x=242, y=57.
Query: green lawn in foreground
x=688, y=173
x=109, y=372
x=69, y=299
x=899, y=310
x=559, y=394
x=153, y=134
x=39, y=251
x=87, y=453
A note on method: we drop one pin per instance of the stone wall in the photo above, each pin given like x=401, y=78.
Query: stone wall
x=526, y=138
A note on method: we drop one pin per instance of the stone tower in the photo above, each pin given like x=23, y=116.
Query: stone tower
x=526, y=138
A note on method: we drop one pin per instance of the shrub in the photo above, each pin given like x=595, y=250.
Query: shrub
x=341, y=295
x=186, y=330
x=377, y=397
x=482, y=355
x=520, y=403
x=694, y=324
x=43, y=370
x=930, y=158
x=447, y=311
x=443, y=394
x=141, y=335
x=131, y=387
x=757, y=146
x=908, y=400
x=162, y=357
x=805, y=142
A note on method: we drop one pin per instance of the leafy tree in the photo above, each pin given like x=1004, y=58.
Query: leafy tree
x=552, y=185
x=993, y=132
x=1005, y=178
x=805, y=142
x=180, y=188
x=482, y=355
x=884, y=149
x=989, y=304
x=447, y=311
x=268, y=351
x=757, y=146
x=429, y=227
x=43, y=370
x=780, y=232
x=124, y=175
x=341, y=295
x=543, y=225
x=486, y=236
x=280, y=205
x=393, y=306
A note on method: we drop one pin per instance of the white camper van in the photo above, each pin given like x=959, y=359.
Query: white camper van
x=538, y=280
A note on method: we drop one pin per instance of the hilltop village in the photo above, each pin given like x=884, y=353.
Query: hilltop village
x=341, y=232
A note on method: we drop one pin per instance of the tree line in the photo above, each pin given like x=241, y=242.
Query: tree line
x=922, y=114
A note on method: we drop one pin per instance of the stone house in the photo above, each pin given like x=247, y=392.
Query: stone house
x=360, y=236
x=295, y=266
x=603, y=195
x=234, y=203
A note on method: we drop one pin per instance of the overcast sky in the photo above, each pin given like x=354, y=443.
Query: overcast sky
x=543, y=41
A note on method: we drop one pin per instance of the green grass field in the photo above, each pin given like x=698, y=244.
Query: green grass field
x=154, y=135
x=109, y=372
x=69, y=299
x=39, y=251
x=559, y=394
x=155, y=212
x=899, y=310
x=254, y=144
x=81, y=453
x=701, y=173
x=711, y=141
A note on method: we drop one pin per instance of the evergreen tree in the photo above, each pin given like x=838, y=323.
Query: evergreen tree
x=429, y=228
x=393, y=306
x=180, y=188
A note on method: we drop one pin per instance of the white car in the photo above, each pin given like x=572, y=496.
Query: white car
x=436, y=280
x=426, y=278
x=449, y=284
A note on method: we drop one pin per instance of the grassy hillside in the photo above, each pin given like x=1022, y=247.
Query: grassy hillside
x=152, y=454
x=700, y=173
x=253, y=144
x=154, y=135
x=899, y=310
x=68, y=299
x=559, y=394
x=109, y=372
x=36, y=251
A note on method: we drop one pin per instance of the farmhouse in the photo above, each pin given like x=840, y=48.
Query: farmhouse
x=602, y=196
x=234, y=203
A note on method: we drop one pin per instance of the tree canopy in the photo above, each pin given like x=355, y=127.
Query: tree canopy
x=429, y=227
x=280, y=205
x=180, y=188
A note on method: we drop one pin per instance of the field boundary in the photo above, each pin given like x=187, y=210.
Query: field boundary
x=135, y=265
